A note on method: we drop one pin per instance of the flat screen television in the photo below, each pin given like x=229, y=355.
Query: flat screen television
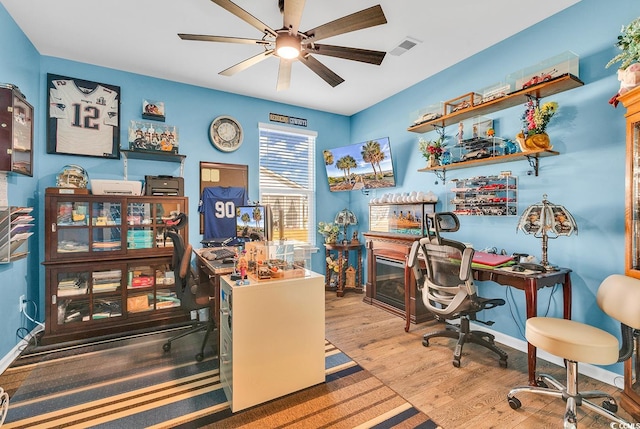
x=366, y=165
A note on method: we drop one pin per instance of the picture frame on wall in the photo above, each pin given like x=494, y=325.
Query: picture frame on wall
x=153, y=110
x=82, y=117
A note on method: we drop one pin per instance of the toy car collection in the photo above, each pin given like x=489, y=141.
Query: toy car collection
x=485, y=196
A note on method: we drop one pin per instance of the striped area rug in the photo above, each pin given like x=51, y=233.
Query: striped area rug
x=136, y=385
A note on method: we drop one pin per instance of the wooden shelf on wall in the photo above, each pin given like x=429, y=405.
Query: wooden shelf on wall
x=533, y=156
x=545, y=89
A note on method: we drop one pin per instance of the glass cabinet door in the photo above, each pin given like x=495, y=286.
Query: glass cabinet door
x=630, y=398
x=72, y=227
x=150, y=287
x=82, y=227
x=634, y=199
x=140, y=229
x=81, y=294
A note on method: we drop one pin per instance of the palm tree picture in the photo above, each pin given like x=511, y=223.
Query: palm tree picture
x=366, y=165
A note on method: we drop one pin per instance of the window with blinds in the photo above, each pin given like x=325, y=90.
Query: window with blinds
x=287, y=180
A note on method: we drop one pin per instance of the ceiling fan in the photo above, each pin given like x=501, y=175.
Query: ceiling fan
x=289, y=44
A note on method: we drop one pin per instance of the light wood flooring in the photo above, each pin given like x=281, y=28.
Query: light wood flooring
x=472, y=396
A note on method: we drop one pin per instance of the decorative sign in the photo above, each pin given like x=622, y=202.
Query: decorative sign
x=275, y=117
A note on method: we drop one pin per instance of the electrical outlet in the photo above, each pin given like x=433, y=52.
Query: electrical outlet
x=22, y=303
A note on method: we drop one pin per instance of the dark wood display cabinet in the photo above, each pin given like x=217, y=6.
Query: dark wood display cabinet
x=388, y=273
x=630, y=399
x=108, y=265
x=16, y=131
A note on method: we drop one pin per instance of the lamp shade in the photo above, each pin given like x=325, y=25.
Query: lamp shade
x=345, y=217
x=547, y=220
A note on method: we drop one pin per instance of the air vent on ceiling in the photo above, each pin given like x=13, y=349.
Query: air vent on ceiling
x=406, y=44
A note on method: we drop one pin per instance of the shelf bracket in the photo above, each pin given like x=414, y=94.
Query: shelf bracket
x=125, y=164
x=531, y=97
x=534, y=162
x=441, y=174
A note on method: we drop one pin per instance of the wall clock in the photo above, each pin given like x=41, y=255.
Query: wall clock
x=226, y=133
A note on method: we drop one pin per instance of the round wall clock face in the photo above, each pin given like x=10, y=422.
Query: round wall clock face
x=225, y=133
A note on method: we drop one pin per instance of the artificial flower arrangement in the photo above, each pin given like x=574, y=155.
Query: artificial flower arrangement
x=535, y=120
x=629, y=43
x=629, y=69
x=431, y=150
x=329, y=229
x=536, y=117
x=333, y=265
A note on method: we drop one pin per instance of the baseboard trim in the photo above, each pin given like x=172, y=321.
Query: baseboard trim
x=593, y=371
x=15, y=352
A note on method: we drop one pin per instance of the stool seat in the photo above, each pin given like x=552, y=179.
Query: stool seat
x=572, y=340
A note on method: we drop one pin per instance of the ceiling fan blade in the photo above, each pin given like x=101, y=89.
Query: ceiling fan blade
x=321, y=70
x=355, y=54
x=242, y=65
x=284, y=75
x=293, y=14
x=356, y=21
x=206, y=38
x=245, y=16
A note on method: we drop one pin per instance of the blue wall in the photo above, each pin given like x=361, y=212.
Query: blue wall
x=587, y=178
x=20, y=66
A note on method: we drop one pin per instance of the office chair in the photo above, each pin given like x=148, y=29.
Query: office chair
x=447, y=286
x=188, y=289
x=619, y=297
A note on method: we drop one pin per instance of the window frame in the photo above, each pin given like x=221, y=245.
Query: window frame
x=309, y=192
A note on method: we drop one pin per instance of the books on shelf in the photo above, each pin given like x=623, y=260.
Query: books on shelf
x=106, y=281
x=72, y=286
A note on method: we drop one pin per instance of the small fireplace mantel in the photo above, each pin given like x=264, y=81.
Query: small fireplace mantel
x=387, y=275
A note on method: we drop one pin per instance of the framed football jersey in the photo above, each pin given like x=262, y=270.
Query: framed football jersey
x=83, y=117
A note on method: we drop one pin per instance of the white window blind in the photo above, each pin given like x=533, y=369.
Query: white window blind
x=288, y=181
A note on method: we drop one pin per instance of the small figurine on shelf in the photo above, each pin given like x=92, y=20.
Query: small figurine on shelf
x=354, y=238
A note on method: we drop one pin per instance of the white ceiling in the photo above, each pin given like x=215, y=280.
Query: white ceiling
x=140, y=36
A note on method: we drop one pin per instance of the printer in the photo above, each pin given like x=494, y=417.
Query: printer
x=164, y=185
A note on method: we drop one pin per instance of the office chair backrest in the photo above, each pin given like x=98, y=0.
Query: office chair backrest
x=441, y=222
x=185, y=278
x=445, y=281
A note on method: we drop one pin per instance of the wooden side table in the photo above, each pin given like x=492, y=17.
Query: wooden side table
x=342, y=252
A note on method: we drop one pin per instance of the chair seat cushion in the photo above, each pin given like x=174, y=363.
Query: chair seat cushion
x=572, y=340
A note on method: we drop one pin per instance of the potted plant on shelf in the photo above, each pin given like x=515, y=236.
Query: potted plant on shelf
x=330, y=231
x=629, y=57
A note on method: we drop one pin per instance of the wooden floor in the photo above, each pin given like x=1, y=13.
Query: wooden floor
x=472, y=396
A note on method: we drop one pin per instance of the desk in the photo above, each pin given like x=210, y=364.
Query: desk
x=209, y=271
x=530, y=283
x=342, y=251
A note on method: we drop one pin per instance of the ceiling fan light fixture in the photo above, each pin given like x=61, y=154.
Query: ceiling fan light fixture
x=287, y=46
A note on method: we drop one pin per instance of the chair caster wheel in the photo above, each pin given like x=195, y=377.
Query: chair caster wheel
x=503, y=363
x=514, y=403
x=610, y=405
x=541, y=383
x=166, y=347
x=425, y=342
x=456, y=363
x=199, y=357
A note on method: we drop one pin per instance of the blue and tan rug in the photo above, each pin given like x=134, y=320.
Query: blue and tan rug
x=134, y=384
